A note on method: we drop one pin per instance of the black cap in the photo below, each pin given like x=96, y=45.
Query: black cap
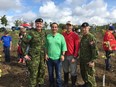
x=39, y=20
x=85, y=24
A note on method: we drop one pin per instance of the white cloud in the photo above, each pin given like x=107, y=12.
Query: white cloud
x=74, y=2
x=48, y=10
x=113, y=14
x=28, y=17
x=41, y=0
x=2, y=12
x=76, y=11
x=10, y=4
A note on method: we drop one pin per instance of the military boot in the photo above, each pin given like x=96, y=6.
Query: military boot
x=40, y=85
x=66, y=78
x=73, y=79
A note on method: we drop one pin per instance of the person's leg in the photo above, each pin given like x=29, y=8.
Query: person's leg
x=83, y=73
x=107, y=61
x=57, y=64
x=41, y=70
x=50, y=65
x=20, y=58
x=73, y=71
x=65, y=65
x=7, y=54
x=88, y=75
x=33, y=72
x=91, y=81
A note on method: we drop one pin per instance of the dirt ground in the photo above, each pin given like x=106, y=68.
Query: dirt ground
x=15, y=74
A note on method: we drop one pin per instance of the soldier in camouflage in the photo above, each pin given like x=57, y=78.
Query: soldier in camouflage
x=88, y=54
x=35, y=55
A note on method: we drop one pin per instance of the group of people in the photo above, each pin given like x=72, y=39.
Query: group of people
x=61, y=52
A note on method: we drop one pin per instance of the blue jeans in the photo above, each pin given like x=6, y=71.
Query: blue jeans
x=54, y=64
x=7, y=54
x=107, y=60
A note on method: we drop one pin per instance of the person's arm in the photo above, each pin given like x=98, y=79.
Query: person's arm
x=10, y=42
x=64, y=48
x=1, y=39
x=94, y=49
x=25, y=43
x=10, y=45
x=76, y=44
x=46, y=49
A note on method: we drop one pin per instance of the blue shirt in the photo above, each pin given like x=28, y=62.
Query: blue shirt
x=6, y=40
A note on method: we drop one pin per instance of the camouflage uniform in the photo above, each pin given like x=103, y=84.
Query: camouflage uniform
x=36, y=66
x=88, y=52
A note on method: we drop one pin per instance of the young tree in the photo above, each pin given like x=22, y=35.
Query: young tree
x=31, y=24
x=45, y=25
x=17, y=23
x=4, y=20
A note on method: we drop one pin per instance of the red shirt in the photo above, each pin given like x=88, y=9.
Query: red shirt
x=109, y=41
x=72, y=42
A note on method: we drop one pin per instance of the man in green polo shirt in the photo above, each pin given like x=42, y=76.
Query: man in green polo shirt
x=55, y=50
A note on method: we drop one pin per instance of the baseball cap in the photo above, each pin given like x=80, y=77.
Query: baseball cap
x=39, y=20
x=69, y=23
x=85, y=24
x=111, y=27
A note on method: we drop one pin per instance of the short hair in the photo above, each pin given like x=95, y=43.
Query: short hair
x=53, y=24
x=6, y=32
x=22, y=29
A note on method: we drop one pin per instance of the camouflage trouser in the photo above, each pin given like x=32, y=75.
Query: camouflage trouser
x=88, y=75
x=36, y=68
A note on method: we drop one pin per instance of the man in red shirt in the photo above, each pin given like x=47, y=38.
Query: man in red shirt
x=70, y=61
x=109, y=45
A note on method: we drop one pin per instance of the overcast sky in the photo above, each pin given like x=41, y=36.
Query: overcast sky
x=97, y=12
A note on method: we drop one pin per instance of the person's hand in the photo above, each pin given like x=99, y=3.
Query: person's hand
x=91, y=64
x=92, y=42
x=62, y=57
x=10, y=48
x=21, y=36
x=46, y=57
x=27, y=57
x=73, y=60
